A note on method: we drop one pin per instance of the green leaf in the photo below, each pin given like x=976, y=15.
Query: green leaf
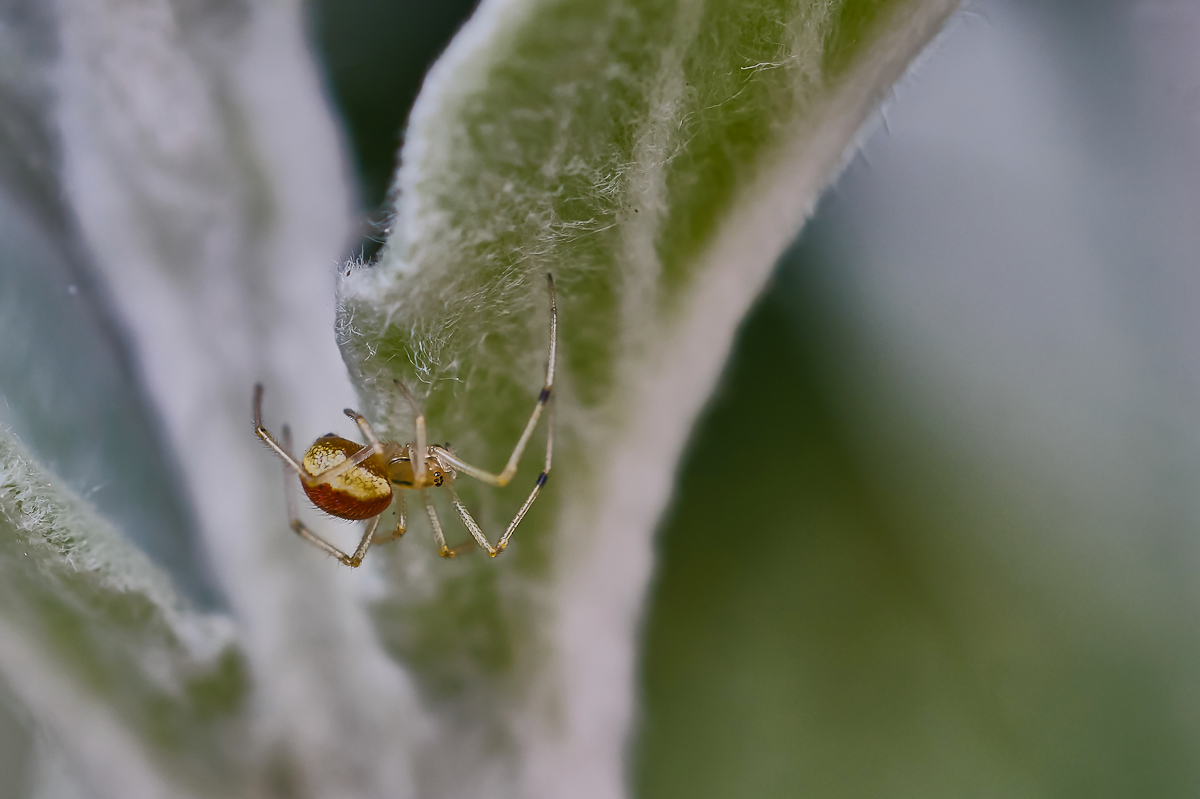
x=94, y=637
x=656, y=157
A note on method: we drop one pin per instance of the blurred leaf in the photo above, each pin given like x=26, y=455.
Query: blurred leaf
x=68, y=389
x=177, y=162
x=970, y=398
x=375, y=54
x=95, y=638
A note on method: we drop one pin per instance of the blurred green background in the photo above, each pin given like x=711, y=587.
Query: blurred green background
x=956, y=555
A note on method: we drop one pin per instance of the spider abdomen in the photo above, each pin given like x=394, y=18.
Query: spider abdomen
x=362, y=491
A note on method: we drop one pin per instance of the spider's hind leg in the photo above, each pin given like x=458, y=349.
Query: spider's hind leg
x=401, y=523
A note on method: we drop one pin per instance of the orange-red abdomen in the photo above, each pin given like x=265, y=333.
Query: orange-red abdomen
x=360, y=492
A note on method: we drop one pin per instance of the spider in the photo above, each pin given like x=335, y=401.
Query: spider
x=359, y=481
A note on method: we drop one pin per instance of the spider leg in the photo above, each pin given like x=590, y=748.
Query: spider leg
x=373, y=448
x=401, y=524
x=343, y=466
x=353, y=561
x=477, y=531
x=438, y=537
x=364, y=426
x=260, y=430
x=510, y=468
x=308, y=535
x=289, y=493
x=417, y=455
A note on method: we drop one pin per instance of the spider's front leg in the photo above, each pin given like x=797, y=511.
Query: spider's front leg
x=477, y=531
x=418, y=452
x=505, y=475
x=438, y=537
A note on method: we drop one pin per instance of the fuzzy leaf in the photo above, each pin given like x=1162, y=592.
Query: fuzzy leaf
x=146, y=696
x=183, y=158
x=656, y=157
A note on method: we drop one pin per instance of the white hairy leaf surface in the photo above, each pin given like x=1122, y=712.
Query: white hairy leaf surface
x=656, y=157
x=143, y=694
x=184, y=160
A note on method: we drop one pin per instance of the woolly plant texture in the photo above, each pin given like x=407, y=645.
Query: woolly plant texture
x=171, y=170
x=656, y=157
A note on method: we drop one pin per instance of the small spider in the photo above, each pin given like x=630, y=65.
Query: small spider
x=355, y=481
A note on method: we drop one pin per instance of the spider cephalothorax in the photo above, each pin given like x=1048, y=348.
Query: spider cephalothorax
x=359, y=481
